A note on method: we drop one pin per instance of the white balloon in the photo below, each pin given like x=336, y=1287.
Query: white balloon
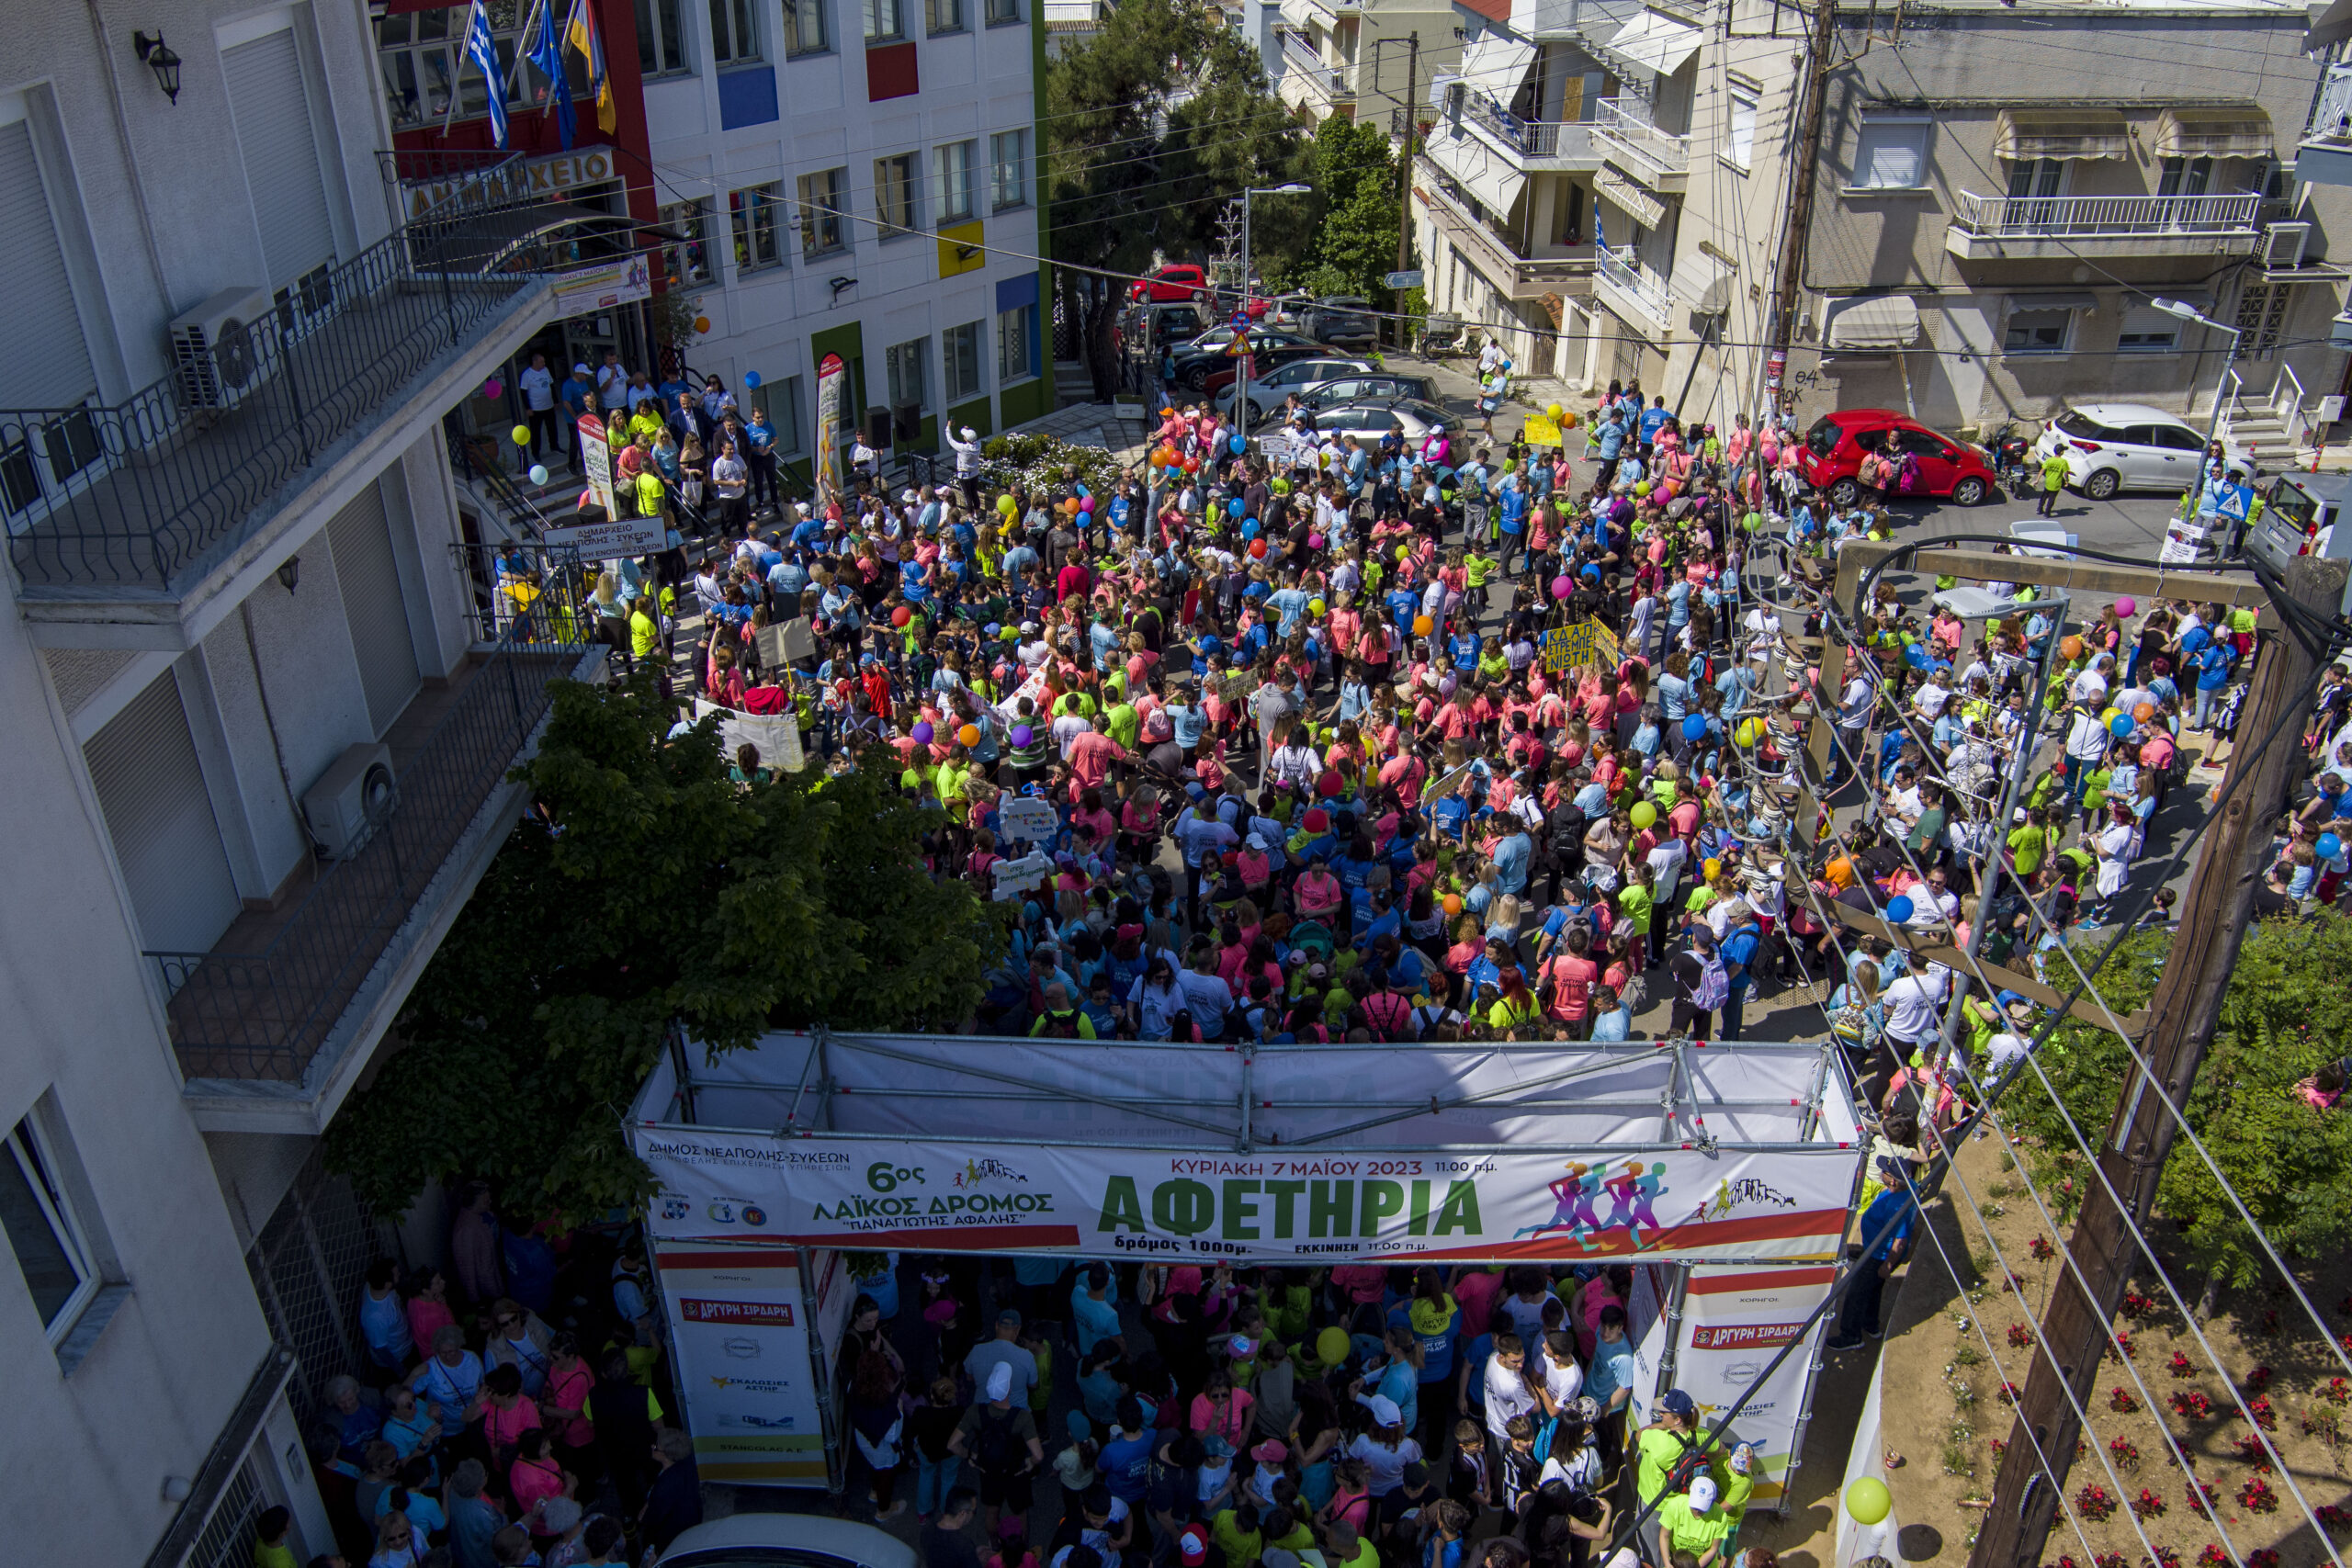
x=538, y=473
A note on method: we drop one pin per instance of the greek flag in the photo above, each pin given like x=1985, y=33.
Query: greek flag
x=481, y=48
x=544, y=49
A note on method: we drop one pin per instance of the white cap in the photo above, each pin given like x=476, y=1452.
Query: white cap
x=970, y=435
x=580, y=370
x=1703, y=1489
x=1001, y=1387
x=1384, y=1411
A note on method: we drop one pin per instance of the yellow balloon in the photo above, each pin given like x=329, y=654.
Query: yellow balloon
x=1867, y=1500
x=1316, y=606
x=1331, y=1346
x=1711, y=868
x=1644, y=814
x=522, y=434
x=1004, y=505
x=1556, y=413
x=1749, y=732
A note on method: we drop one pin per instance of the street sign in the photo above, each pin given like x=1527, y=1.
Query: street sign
x=1403, y=279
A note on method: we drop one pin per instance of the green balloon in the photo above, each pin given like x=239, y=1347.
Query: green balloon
x=1331, y=1346
x=1867, y=1500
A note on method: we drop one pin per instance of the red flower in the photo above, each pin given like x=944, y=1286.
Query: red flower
x=2008, y=1393
x=2181, y=1366
x=2022, y=1336
x=2120, y=1399
x=2043, y=1252
x=2189, y=1403
x=2136, y=1306
x=2337, y=1392
x=2200, y=1498
x=2094, y=1502
x=2257, y=1379
x=2249, y=1449
x=2262, y=1557
x=2166, y=1557
x=2000, y=1446
x=2255, y=1497
x=2213, y=1557
x=2123, y=1344
x=2264, y=1416
x=2148, y=1505
x=2111, y=1559
x=2124, y=1451
x=2332, y=1516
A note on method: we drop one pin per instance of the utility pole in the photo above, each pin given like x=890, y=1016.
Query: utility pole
x=1814, y=90
x=2076, y=1333
x=1405, y=183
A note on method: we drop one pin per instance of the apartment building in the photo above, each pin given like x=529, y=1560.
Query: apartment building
x=858, y=179
x=1350, y=57
x=1602, y=187
x=258, y=744
x=2005, y=190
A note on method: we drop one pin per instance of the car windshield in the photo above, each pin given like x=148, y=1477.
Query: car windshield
x=2076, y=423
x=1823, y=438
x=1426, y=413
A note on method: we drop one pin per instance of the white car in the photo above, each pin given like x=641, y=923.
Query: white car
x=2118, y=446
x=1268, y=392
x=799, y=1540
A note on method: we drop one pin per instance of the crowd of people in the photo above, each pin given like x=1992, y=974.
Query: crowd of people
x=1455, y=738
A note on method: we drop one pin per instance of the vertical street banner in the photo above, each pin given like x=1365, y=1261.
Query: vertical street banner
x=739, y=1331
x=1735, y=1320
x=777, y=734
x=833, y=389
x=596, y=457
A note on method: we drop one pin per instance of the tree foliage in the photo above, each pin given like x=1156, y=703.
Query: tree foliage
x=1157, y=120
x=1354, y=243
x=2287, y=1013
x=663, y=892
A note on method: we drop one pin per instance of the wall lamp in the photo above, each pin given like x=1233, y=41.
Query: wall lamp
x=841, y=283
x=290, y=573
x=160, y=60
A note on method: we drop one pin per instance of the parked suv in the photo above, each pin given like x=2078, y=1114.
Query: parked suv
x=1176, y=281
x=2116, y=446
x=1832, y=457
x=1340, y=319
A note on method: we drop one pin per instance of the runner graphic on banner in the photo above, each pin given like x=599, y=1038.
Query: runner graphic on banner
x=597, y=459
x=832, y=385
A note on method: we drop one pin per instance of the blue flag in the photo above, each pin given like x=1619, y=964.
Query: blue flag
x=481, y=48
x=544, y=50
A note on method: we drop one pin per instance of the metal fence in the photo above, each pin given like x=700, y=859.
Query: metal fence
x=309, y=1266
x=228, y=1537
x=267, y=1014
x=2087, y=216
x=141, y=492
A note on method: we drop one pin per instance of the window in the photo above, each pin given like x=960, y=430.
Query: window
x=2037, y=179
x=1008, y=169
x=2037, y=332
x=956, y=180
x=754, y=212
x=43, y=1231
x=884, y=20
x=1001, y=12
x=661, y=40
x=2186, y=176
x=1016, y=337
x=805, y=30
x=1892, y=155
x=903, y=363
x=942, y=16
x=894, y=193
x=785, y=411
x=686, y=259
x=1567, y=215
x=823, y=198
x=2148, y=332
x=1739, y=142
x=417, y=52
x=959, y=348
x=302, y=302
x=734, y=32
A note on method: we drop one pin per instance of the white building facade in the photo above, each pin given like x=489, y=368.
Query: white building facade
x=235, y=555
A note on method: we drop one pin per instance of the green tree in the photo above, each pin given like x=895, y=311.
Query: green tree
x=2286, y=1012
x=663, y=892
x=1157, y=120
x=1357, y=215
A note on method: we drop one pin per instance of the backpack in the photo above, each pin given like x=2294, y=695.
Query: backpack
x=1393, y=1022
x=996, y=1453
x=1715, y=986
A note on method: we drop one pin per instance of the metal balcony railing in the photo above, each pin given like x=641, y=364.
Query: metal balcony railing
x=2332, y=117
x=1533, y=138
x=1625, y=124
x=2088, y=217
x=142, y=493
x=1300, y=55
x=1622, y=268
x=265, y=1015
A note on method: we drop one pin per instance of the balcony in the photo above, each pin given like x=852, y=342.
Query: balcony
x=1307, y=69
x=2325, y=156
x=1628, y=139
x=1637, y=294
x=1539, y=144
x=139, y=523
x=275, y=1025
x=1567, y=271
x=2031, y=228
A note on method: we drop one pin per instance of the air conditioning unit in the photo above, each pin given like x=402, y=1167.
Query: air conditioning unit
x=2282, y=245
x=225, y=348
x=353, y=798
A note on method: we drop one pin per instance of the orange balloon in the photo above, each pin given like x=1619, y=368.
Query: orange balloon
x=1451, y=905
x=1423, y=625
x=969, y=735
x=1842, y=872
x=2071, y=647
x=2143, y=713
x=702, y=324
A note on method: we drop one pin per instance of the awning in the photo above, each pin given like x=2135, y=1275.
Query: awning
x=1636, y=203
x=1654, y=43
x=1485, y=174
x=1496, y=65
x=1702, y=282
x=518, y=239
x=2022, y=135
x=2232, y=131
x=1871, y=326
x=2332, y=25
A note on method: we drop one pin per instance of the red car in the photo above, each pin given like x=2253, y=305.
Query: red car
x=1831, y=457
x=1177, y=283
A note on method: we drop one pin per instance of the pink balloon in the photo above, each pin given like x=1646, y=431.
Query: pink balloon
x=1561, y=587
x=2126, y=607
x=1086, y=504
x=493, y=387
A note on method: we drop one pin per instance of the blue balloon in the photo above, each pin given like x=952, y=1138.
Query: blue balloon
x=1898, y=908
x=751, y=378
x=2121, y=725
x=1233, y=508
x=1695, y=727
x=1239, y=446
x=2329, y=846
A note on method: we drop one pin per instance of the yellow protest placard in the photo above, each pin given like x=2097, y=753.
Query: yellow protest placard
x=1575, y=647
x=1540, y=431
